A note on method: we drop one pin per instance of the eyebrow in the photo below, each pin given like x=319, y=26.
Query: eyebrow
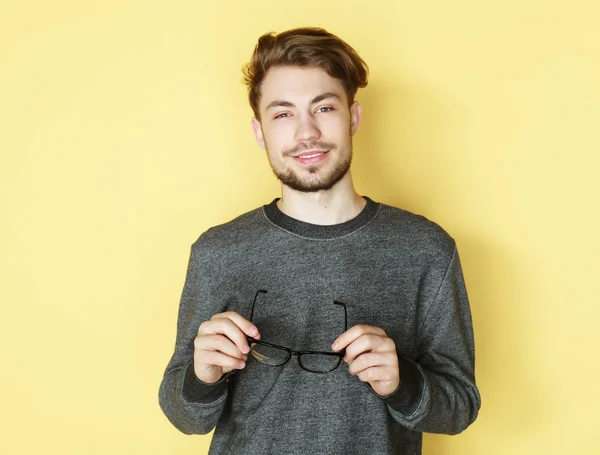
x=316, y=99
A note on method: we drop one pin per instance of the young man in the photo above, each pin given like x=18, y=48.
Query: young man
x=323, y=322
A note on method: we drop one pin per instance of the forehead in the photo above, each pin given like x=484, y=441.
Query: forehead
x=297, y=85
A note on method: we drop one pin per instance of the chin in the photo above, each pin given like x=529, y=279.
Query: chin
x=310, y=184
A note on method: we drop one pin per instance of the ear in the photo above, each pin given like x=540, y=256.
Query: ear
x=258, y=133
x=355, y=117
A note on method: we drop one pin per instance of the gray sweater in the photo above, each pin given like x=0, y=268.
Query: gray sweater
x=393, y=269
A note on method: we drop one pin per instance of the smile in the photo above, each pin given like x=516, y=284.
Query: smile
x=311, y=157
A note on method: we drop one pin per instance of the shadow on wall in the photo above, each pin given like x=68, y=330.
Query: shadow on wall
x=428, y=174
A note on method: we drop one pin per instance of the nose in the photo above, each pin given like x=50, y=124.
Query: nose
x=307, y=129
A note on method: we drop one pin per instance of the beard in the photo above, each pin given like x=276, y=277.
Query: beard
x=317, y=180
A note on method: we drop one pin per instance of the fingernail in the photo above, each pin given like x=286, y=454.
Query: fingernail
x=245, y=357
x=334, y=346
x=246, y=349
x=253, y=331
x=242, y=364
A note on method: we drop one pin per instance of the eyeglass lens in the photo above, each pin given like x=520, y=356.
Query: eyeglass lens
x=319, y=363
x=269, y=355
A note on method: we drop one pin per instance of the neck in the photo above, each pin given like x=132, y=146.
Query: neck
x=334, y=206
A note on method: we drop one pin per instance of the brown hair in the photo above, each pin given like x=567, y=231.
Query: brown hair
x=305, y=47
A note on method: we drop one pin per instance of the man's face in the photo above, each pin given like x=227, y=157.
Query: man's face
x=306, y=127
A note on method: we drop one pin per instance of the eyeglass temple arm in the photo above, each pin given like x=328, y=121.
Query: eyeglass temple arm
x=345, y=314
x=343, y=305
x=260, y=291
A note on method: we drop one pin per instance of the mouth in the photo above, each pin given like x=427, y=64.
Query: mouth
x=311, y=156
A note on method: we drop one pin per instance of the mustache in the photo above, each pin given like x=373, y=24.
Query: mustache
x=309, y=146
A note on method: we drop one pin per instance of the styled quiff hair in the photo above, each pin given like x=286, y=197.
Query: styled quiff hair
x=305, y=47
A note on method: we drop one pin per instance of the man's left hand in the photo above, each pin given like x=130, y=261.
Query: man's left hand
x=371, y=355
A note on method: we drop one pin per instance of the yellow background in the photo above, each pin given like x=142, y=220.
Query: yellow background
x=125, y=133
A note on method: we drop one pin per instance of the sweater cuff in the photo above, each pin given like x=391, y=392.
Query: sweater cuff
x=407, y=397
x=197, y=391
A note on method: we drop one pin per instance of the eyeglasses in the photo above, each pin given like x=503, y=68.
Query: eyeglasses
x=275, y=356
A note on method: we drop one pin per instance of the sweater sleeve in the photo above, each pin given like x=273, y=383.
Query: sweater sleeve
x=192, y=406
x=437, y=391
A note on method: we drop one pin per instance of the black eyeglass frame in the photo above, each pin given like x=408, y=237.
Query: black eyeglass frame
x=291, y=352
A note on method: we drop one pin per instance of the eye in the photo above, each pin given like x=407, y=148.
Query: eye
x=282, y=115
x=328, y=108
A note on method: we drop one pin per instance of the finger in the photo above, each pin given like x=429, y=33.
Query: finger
x=225, y=326
x=218, y=343
x=217, y=358
x=369, y=360
x=379, y=373
x=244, y=324
x=367, y=343
x=353, y=333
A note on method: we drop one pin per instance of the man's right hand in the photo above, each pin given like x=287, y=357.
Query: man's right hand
x=221, y=345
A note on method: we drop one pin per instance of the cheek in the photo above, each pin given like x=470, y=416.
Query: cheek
x=337, y=127
x=279, y=136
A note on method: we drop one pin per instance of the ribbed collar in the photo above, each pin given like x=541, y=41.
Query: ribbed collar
x=317, y=231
